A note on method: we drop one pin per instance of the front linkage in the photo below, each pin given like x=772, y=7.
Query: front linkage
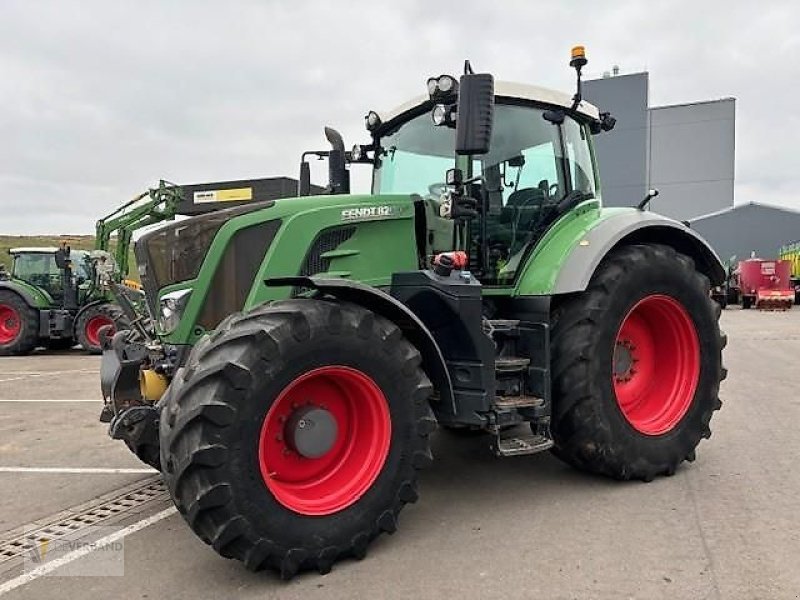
x=133, y=377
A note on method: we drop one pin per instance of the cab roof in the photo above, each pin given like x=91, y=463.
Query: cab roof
x=34, y=250
x=40, y=250
x=510, y=91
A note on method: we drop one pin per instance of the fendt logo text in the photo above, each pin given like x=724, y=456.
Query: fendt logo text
x=368, y=212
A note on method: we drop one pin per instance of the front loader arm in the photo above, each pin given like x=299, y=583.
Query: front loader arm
x=148, y=208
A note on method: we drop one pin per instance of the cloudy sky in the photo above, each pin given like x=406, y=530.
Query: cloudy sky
x=99, y=100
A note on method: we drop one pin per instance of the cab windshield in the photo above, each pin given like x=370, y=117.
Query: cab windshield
x=39, y=269
x=532, y=165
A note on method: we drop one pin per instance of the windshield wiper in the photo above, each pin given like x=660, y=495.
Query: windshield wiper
x=572, y=199
x=568, y=201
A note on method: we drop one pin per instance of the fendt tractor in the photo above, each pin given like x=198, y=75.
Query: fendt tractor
x=60, y=297
x=307, y=347
x=51, y=297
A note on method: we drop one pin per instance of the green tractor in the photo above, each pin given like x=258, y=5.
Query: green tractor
x=307, y=348
x=60, y=297
x=49, y=298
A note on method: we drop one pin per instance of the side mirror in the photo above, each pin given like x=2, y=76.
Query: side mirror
x=475, y=114
x=304, y=184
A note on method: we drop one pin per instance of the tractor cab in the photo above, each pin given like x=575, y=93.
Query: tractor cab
x=489, y=165
x=39, y=267
x=539, y=154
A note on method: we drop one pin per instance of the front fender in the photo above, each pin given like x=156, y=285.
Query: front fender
x=567, y=257
x=380, y=302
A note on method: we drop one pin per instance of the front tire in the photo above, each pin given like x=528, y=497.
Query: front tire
x=236, y=457
x=637, y=363
x=92, y=319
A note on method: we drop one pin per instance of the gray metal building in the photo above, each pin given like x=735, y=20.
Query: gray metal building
x=747, y=228
x=686, y=151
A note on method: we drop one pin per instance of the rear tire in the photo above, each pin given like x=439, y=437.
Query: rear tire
x=19, y=325
x=637, y=363
x=92, y=319
x=230, y=471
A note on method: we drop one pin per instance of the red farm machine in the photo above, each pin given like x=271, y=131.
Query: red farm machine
x=765, y=284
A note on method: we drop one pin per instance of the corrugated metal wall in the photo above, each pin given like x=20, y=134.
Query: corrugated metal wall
x=747, y=228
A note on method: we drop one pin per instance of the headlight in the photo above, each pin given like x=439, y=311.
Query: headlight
x=171, y=308
x=372, y=120
x=433, y=85
x=443, y=88
x=444, y=115
x=446, y=83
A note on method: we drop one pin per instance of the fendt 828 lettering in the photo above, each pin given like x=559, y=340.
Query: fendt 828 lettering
x=306, y=348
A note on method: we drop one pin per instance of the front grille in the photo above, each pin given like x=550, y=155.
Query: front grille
x=236, y=272
x=326, y=240
x=175, y=252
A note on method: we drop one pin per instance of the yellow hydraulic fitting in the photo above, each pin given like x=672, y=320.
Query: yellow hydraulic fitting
x=152, y=384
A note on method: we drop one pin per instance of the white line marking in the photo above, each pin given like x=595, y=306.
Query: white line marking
x=49, y=567
x=47, y=374
x=97, y=401
x=75, y=470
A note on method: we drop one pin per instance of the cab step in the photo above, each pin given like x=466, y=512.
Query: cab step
x=521, y=444
x=518, y=402
x=511, y=363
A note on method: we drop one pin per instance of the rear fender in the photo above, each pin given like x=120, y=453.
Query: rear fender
x=413, y=328
x=31, y=295
x=566, y=260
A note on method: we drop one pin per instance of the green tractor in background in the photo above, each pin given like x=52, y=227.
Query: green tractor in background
x=49, y=299
x=58, y=297
x=307, y=348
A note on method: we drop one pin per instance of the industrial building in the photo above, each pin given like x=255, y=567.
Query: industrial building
x=749, y=228
x=687, y=152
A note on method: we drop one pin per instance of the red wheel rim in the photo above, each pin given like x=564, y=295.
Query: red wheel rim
x=93, y=327
x=10, y=324
x=656, y=364
x=354, y=454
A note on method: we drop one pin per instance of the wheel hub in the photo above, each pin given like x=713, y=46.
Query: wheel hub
x=311, y=432
x=624, y=361
x=324, y=440
x=9, y=324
